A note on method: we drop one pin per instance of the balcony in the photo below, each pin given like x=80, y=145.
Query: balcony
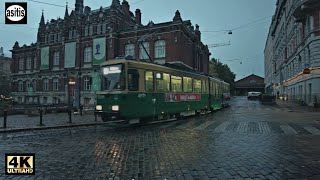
x=303, y=7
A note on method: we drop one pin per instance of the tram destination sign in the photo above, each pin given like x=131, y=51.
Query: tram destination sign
x=179, y=97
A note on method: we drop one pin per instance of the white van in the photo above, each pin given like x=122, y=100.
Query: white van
x=253, y=95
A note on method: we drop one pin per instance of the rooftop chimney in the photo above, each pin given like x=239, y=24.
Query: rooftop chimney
x=126, y=7
x=1, y=51
x=138, y=16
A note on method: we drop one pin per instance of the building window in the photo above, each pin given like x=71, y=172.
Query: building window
x=129, y=50
x=88, y=54
x=35, y=63
x=160, y=49
x=90, y=30
x=86, y=30
x=104, y=27
x=20, y=86
x=45, y=85
x=187, y=84
x=72, y=34
x=143, y=53
x=55, y=84
x=21, y=64
x=163, y=82
x=98, y=28
x=56, y=58
x=28, y=66
x=87, y=83
x=87, y=100
x=149, y=81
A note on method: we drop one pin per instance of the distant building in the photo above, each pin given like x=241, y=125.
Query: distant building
x=292, y=58
x=248, y=84
x=71, y=49
x=5, y=73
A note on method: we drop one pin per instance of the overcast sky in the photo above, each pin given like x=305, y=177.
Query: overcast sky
x=247, y=42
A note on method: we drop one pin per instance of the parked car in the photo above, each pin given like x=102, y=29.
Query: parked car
x=254, y=95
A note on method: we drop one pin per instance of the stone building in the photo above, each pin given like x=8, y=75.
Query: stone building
x=68, y=51
x=292, y=50
x=252, y=83
x=5, y=72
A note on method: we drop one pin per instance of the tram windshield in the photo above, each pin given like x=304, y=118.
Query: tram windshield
x=113, y=78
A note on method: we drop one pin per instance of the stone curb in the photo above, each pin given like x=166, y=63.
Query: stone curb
x=49, y=127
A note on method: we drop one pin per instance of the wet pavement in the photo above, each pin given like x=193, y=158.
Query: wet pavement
x=245, y=141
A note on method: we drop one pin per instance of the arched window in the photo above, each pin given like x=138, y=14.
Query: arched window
x=160, y=49
x=143, y=53
x=129, y=50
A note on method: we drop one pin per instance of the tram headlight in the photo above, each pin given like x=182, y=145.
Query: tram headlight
x=99, y=108
x=115, y=108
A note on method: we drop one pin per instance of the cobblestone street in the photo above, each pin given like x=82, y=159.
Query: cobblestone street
x=245, y=141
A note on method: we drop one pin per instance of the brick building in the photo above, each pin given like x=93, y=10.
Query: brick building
x=252, y=83
x=5, y=64
x=68, y=51
x=292, y=48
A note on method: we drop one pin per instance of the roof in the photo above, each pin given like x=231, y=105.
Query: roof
x=250, y=81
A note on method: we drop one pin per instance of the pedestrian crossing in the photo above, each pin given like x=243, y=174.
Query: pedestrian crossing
x=259, y=127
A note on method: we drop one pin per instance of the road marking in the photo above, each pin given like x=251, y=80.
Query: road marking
x=288, y=129
x=313, y=130
x=204, y=125
x=222, y=127
x=264, y=128
x=243, y=127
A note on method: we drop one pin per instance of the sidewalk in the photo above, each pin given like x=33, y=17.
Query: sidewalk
x=295, y=107
x=16, y=123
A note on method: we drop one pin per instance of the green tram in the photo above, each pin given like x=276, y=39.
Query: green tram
x=138, y=91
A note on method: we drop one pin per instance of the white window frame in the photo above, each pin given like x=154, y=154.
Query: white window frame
x=87, y=83
x=55, y=84
x=28, y=63
x=87, y=55
x=35, y=62
x=142, y=53
x=45, y=84
x=21, y=64
x=160, y=49
x=56, y=58
x=129, y=50
x=20, y=85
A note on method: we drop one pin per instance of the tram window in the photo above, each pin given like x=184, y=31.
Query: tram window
x=176, y=84
x=163, y=82
x=133, y=80
x=149, y=81
x=204, y=85
x=187, y=84
x=197, y=86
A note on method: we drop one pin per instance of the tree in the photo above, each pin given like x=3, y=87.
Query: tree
x=222, y=71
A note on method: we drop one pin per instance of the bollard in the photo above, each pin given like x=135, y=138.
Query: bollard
x=41, y=117
x=95, y=116
x=69, y=112
x=5, y=118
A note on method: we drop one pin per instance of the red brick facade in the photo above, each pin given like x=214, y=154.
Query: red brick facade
x=119, y=26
